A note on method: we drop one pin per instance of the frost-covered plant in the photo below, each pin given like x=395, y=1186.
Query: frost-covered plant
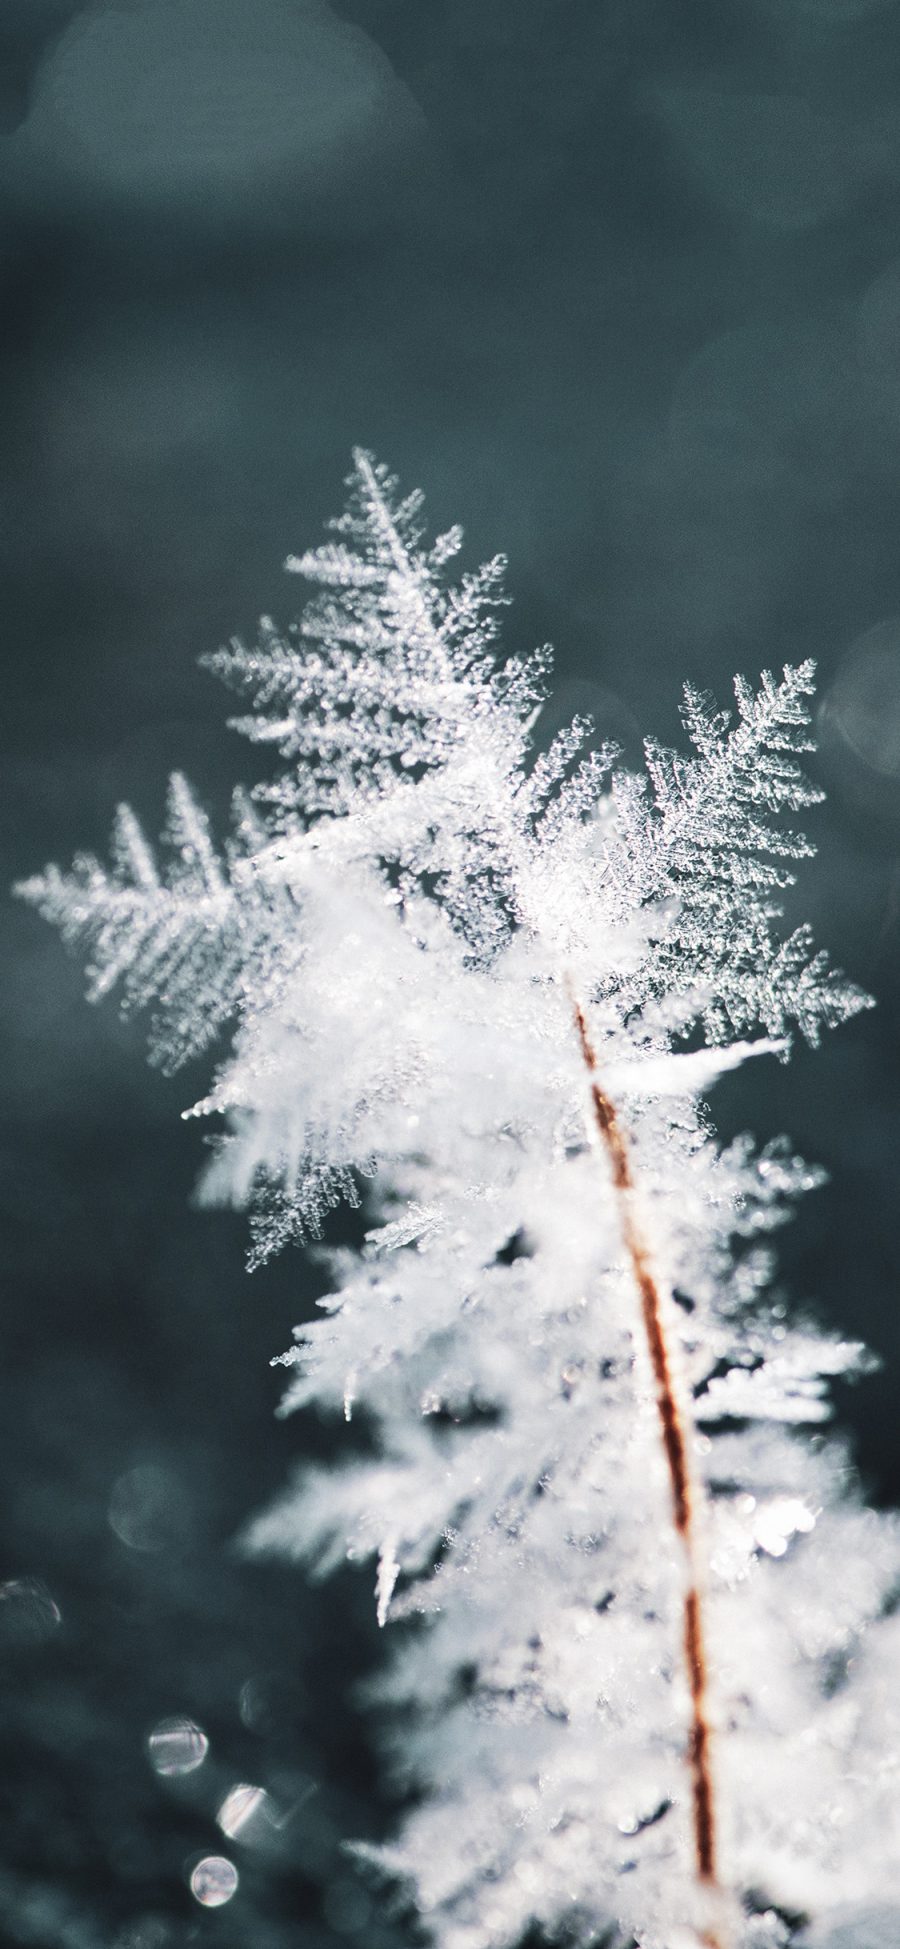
x=643, y=1692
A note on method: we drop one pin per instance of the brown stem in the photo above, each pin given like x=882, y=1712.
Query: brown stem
x=674, y=1439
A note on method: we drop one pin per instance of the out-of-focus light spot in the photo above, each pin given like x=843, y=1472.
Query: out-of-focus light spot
x=247, y=1814
x=858, y=725
x=775, y=1522
x=863, y=704
x=148, y=1511
x=28, y=1613
x=770, y=157
x=177, y=1746
x=215, y=103
x=255, y=1703
x=760, y=409
x=270, y=1704
x=214, y=1881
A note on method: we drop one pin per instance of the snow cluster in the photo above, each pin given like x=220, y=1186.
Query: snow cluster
x=398, y=935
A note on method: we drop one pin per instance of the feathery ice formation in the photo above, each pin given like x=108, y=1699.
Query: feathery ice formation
x=647, y=1680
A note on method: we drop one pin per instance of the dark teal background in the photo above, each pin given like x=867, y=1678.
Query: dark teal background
x=614, y=281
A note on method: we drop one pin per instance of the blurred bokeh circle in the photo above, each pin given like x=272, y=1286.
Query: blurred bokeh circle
x=859, y=723
x=212, y=105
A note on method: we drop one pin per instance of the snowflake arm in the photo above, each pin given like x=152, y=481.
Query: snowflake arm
x=183, y=940
x=705, y=834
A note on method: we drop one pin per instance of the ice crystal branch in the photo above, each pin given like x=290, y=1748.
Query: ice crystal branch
x=635, y=1701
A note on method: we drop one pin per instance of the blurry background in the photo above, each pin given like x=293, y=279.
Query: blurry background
x=617, y=282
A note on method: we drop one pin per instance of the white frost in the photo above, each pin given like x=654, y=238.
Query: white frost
x=391, y=939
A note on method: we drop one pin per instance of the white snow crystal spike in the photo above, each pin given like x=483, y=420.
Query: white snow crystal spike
x=131, y=851
x=674, y=1074
x=188, y=830
x=386, y=1579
